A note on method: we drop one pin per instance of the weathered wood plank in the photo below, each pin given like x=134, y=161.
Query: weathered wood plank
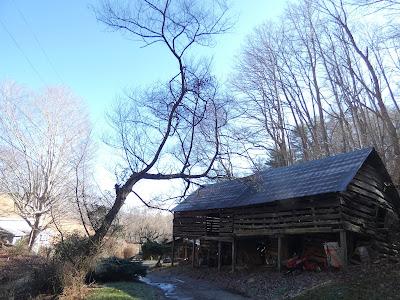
x=295, y=219
x=374, y=198
x=359, y=209
x=233, y=255
x=279, y=252
x=343, y=246
x=217, y=238
x=193, y=253
x=269, y=232
x=369, y=187
x=219, y=255
x=173, y=251
x=285, y=225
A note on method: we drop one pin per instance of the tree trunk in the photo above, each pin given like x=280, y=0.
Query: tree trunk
x=391, y=128
x=34, y=232
x=101, y=232
x=158, y=264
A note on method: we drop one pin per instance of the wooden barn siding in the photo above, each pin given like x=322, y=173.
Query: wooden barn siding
x=189, y=224
x=357, y=209
x=361, y=203
x=302, y=215
x=365, y=207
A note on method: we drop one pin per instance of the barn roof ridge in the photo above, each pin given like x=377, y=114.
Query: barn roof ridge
x=325, y=175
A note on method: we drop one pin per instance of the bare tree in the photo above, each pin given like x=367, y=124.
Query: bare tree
x=378, y=4
x=325, y=78
x=172, y=131
x=142, y=225
x=41, y=137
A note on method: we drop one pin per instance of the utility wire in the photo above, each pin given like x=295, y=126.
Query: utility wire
x=22, y=52
x=37, y=41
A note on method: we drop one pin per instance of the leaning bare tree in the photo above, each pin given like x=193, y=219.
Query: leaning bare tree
x=42, y=137
x=171, y=131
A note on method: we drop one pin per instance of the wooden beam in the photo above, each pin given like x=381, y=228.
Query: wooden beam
x=186, y=250
x=268, y=232
x=193, y=252
x=343, y=246
x=217, y=238
x=279, y=253
x=173, y=251
x=233, y=255
x=219, y=255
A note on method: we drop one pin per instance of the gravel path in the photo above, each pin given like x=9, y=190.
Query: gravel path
x=181, y=287
x=184, y=282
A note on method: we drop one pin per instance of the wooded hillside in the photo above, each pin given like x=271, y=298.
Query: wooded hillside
x=320, y=80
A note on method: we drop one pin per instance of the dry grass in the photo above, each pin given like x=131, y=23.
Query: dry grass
x=128, y=252
x=72, y=280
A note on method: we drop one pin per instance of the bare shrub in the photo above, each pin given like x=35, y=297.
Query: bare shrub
x=73, y=265
x=112, y=246
x=73, y=279
x=26, y=276
x=115, y=269
x=129, y=251
x=20, y=248
x=46, y=278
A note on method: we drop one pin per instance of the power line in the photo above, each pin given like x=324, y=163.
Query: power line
x=38, y=42
x=22, y=52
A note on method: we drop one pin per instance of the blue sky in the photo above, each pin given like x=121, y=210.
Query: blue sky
x=96, y=63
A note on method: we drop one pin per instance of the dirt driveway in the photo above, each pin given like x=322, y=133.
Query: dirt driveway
x=180, y=287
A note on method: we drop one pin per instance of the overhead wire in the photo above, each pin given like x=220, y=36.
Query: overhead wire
x=38, y=42
x=22, y=52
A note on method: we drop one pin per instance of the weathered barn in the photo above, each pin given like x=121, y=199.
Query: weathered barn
x=348, y=198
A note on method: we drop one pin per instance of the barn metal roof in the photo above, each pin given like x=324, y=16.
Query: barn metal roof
x=327, y=175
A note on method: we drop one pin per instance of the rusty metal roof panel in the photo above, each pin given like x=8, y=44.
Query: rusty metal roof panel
x=327, y=175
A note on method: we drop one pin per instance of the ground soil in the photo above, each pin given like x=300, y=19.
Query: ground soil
x=356, y=282
x=183, y=287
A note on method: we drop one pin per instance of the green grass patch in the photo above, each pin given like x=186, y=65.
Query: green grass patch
x=123, y=291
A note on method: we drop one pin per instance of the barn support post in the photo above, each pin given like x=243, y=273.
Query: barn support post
x=279, y=253
x=186, y=250
x=233, y=255
x=219, y=255
x=173, y=251
x=343, y=246
x=193, y=252
x=200, y=254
